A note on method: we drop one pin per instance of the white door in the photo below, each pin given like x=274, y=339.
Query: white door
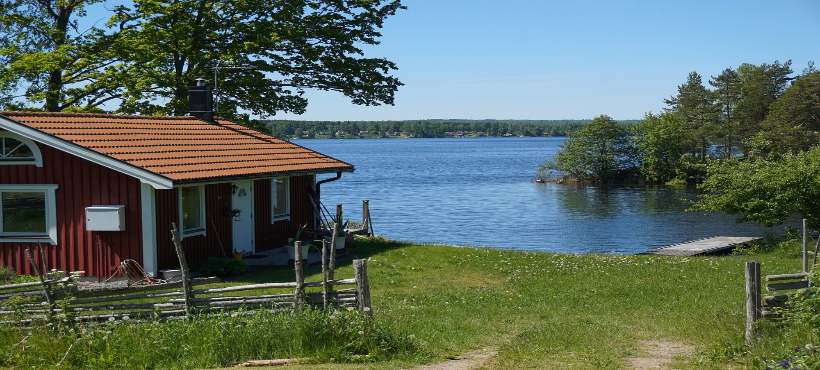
x=243, y=223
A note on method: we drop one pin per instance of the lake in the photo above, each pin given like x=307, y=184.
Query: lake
x=480, y=192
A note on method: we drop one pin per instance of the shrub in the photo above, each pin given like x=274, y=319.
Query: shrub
x=7, y=275
x=765, y=190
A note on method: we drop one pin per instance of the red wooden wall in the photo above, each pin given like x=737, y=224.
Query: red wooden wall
x=269, y=235
x=218, y=239
x=81, y=184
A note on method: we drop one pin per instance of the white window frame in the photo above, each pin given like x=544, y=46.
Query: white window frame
x=50, y=236
x=202, y=230
x=35, y=151
x=273, y=216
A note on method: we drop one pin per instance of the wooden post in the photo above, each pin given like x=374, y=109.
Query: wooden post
x=805, y=247
x=298, y=293
x=183, y=268
x=366, y=222
x=336, y=230
x=753, y=299
x=46, y=292
x=362, y=287
x=324, y=273
x=816, y=250
x=43, y=263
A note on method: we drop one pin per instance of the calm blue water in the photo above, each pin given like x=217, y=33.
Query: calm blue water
x=479, y=191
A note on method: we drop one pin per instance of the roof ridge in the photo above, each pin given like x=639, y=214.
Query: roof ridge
x=267, y=138
x=91, y=115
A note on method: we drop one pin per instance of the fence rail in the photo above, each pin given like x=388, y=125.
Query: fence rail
x=64, y=299
x=780, y=287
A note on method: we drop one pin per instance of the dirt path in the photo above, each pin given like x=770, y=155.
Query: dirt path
x=466, y=361
x=658, y=354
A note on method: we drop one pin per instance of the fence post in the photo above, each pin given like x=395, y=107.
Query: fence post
x=366, y=221
x=753, y=299
x=298, y=293
x=805, y=247
x=337, y=226
x=46, y=292
x=183, y=269
x=324, y=272
x=362, y=287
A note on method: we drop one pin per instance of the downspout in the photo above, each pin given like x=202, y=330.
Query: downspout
x=318, y=204
x=319, y=183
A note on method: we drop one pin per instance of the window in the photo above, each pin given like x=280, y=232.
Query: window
x=28, y=213
x=16, y=150
x=280, y=198
x=192, y=210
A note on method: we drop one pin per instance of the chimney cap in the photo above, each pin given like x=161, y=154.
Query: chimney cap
x=200, y=100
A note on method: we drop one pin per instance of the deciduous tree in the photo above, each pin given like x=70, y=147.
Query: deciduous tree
x=765, y=190
x=283, y=47
x=48, y=62
x=599, y=151
x=662, y=141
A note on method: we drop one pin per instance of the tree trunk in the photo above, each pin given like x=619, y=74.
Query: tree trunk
x=54, y=94
x=55, y=90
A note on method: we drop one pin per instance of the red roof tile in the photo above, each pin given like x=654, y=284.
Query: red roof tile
x=181, y=148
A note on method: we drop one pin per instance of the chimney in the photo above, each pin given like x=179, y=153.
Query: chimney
x=201, y=100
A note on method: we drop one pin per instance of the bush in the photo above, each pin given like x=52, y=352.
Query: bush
x=7, y=275
x=765, y=190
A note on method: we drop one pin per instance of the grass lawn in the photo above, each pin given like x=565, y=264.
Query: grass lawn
x=557, y=310
x=538, y=310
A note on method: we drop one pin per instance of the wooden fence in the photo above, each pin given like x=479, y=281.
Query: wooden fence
x=780, y=287
x=62, y=298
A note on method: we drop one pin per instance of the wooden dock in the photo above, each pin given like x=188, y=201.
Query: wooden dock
x=698, y=247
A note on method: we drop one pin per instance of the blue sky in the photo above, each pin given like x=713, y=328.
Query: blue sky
x=569, y=59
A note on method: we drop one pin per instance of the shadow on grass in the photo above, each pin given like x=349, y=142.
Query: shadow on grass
x=361, y=248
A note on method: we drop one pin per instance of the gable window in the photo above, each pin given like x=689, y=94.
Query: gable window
x=280, y=198
x=28, y=213
x=16, y=150
x=192, y=210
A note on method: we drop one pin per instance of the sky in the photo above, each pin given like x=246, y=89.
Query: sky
x=539, y=59
x=534, y=59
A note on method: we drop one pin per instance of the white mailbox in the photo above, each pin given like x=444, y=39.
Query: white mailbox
x=105, y=218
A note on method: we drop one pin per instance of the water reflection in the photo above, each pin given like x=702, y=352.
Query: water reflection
x=480, y=192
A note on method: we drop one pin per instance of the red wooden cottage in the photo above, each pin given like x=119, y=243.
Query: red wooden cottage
x=95, y=189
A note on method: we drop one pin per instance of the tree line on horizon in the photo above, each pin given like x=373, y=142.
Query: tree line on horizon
x=429, y=128
x=750, y=141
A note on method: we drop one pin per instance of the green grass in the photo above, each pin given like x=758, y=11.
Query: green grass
x=432, y=302
x=576, y=311
x=204, y=342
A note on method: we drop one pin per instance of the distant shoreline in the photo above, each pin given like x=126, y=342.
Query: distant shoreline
x=414, y=137
x=454, y=128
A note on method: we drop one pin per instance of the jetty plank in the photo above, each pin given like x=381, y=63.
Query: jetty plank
x=703, y=246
